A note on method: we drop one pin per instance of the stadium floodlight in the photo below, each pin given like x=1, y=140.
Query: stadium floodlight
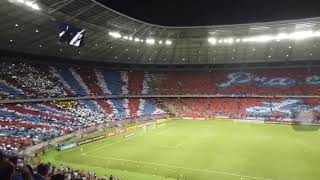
x=126, y=37
x=301, y=35
x=35, y=6
x=130, y=38
x=136, y=40
x=262, y=38
x=245, y=39
x=31, y=4
x=230, y=40
x=150, y=41
x=282, y=36
x=28, y=3
x=212, y=41
x=317, y=34
x=168, y=42
x=160, y=42
x=115, y=35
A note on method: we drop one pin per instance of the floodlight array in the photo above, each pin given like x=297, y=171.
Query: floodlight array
x=299, y=35
x=115, y=35
x=29, y=3
x=148, y=41
x=168, y=42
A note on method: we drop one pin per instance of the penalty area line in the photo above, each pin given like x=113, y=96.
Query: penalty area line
x=179, y=167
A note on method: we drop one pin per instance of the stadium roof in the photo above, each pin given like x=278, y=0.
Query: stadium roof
x=114, y=37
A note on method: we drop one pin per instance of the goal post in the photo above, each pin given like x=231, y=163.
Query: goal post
x=149, y=126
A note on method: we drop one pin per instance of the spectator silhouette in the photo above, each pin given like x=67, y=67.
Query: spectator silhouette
x=42, y=171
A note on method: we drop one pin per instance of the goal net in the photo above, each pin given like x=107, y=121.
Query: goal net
x=149, y=126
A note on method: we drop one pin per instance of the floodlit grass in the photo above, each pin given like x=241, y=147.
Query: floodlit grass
x=203, y=150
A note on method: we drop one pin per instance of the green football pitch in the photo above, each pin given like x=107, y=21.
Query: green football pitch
x=203, y=150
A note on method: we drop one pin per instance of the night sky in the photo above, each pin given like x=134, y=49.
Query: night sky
x=214, y=12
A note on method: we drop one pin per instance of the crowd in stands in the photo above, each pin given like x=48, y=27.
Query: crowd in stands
x=243, y=108
x=244, y=82
x=29, y=80
x=25, y=80
x=30, y=123
x=13, y=168
x=26, y=124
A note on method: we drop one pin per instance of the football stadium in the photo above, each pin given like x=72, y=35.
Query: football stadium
x=90, y=93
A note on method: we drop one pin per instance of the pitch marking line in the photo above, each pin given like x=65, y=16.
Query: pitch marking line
x=179, y=167
x=108, y=145
x=172, y=147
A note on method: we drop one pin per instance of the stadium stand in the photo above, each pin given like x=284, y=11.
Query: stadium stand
x=34, y=122
x=29, y=80
x=227, y=82
x=242, y=107
x=33, y=80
